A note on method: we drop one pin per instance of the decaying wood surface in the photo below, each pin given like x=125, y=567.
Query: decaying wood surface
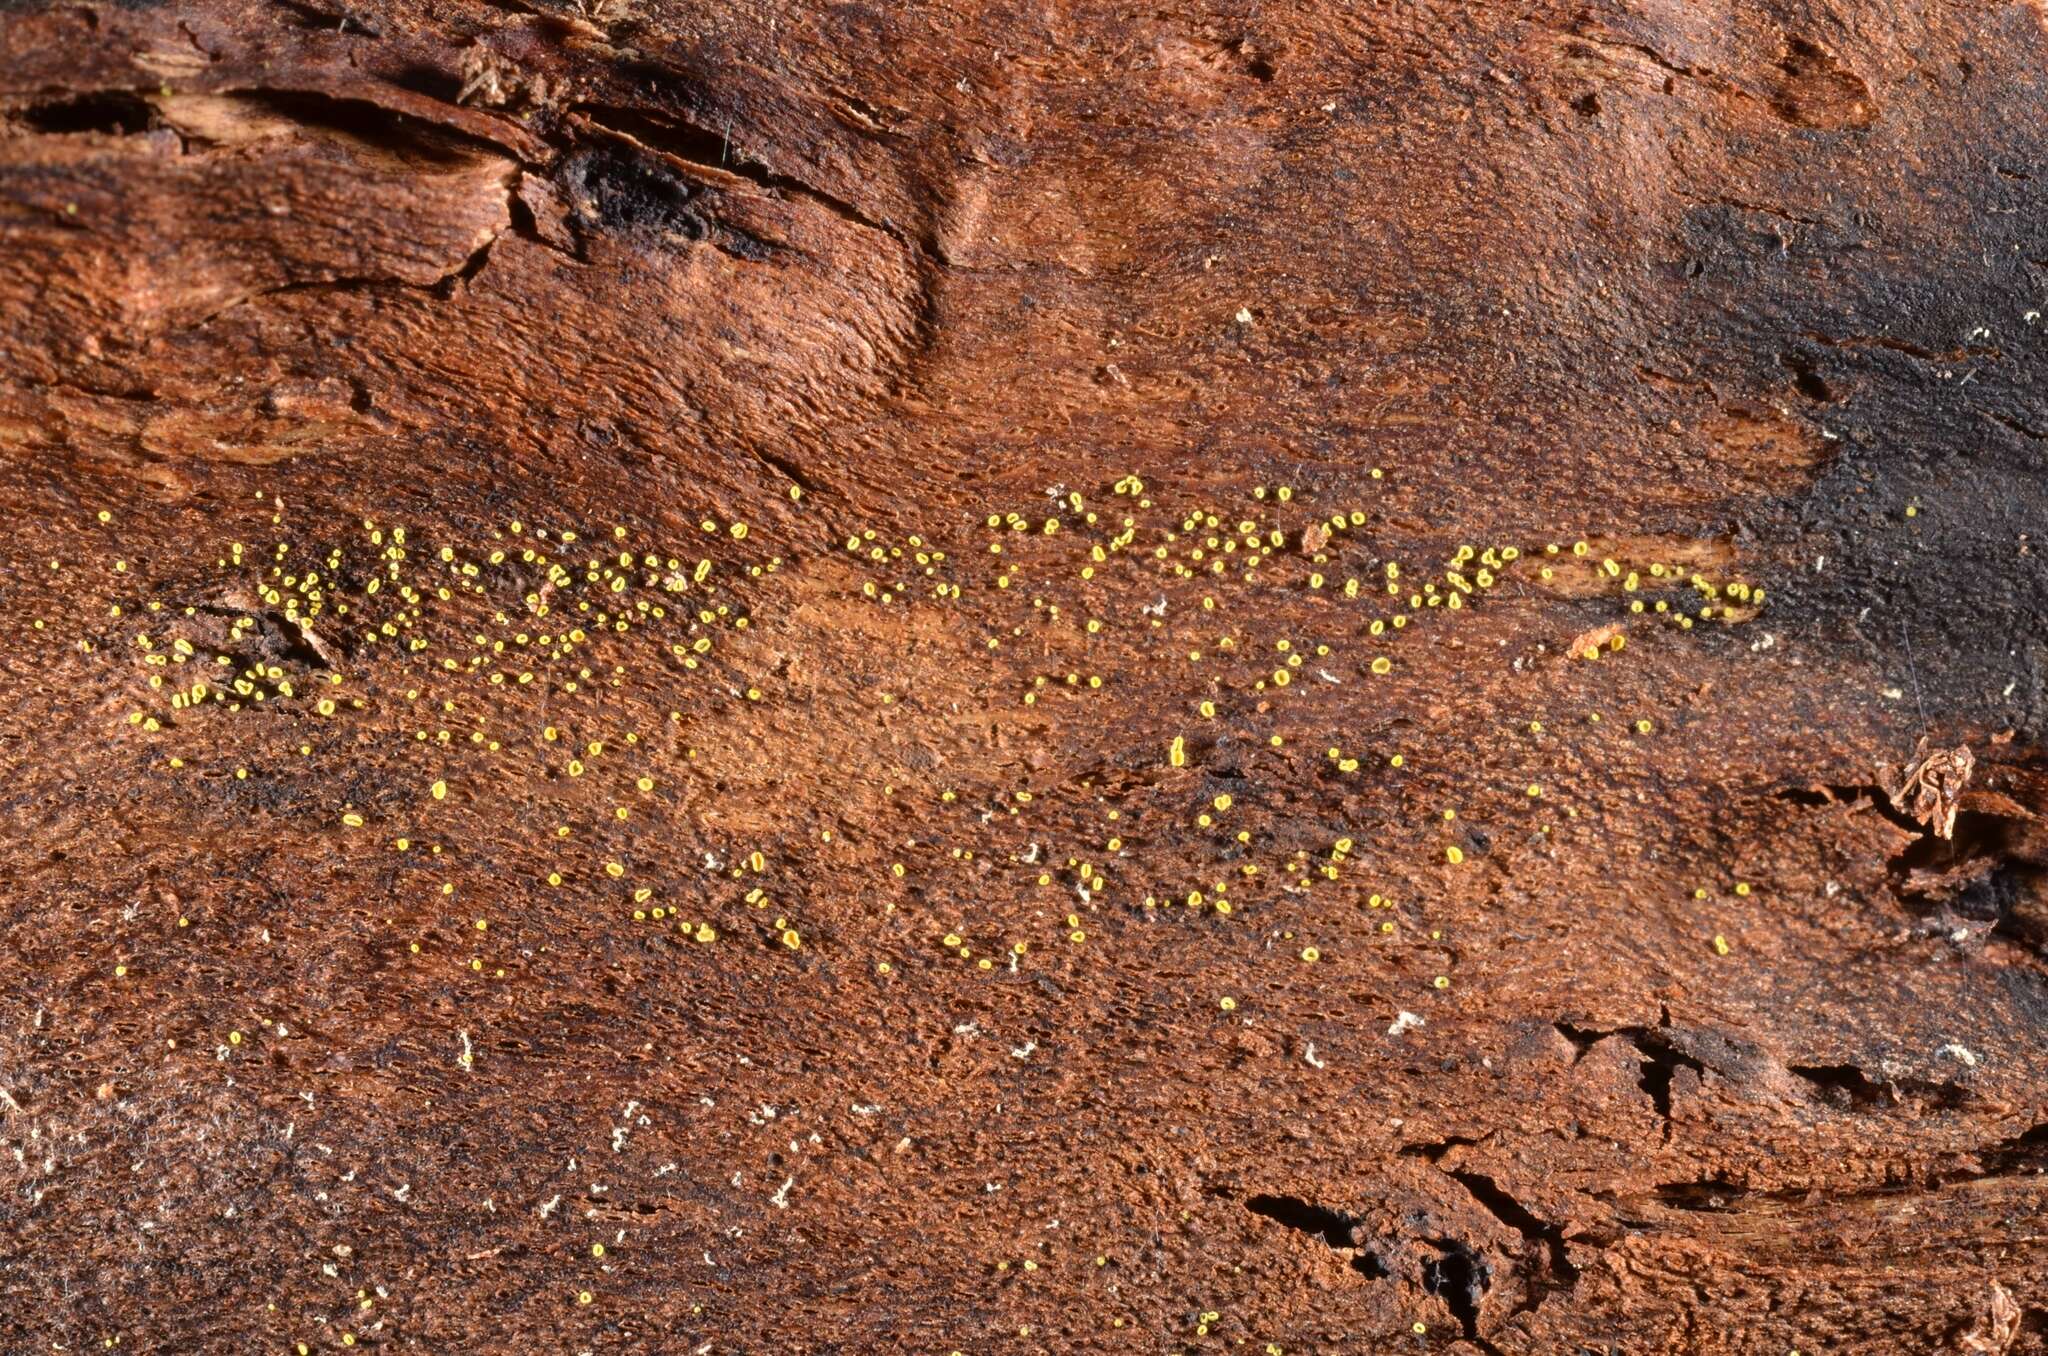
x=1023, y=678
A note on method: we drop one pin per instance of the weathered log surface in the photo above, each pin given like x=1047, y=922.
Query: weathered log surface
x=1056, y=799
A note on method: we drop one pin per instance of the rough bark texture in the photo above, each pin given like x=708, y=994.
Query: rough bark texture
x=1056, y=798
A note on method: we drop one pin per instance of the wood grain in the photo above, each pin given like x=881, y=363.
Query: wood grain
x=1023, y=679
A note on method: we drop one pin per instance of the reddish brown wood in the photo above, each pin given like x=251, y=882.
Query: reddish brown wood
x=1562, y=1004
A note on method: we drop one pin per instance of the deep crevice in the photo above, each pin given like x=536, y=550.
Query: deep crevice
x=1847, y=1088
x=1459, y=1277
x=1332, y=1226
x=1806, y=380
x=808, y=483
x=1819, y=795
x=371, y=123
x=1539, y=1233
x=340, y=18
x=1582, y=1038
x=1661, y=1059
x=1335, y=1228
x=279, y=638
x=1978, y=873
x=1661, y=1063
x=2027, y=1152
x=714, y=152
x=107, y=112
x=1709, y=1197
